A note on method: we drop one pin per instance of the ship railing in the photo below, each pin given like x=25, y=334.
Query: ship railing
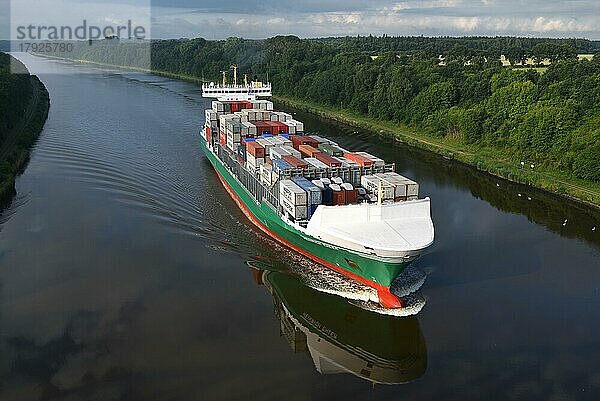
x=249, y=180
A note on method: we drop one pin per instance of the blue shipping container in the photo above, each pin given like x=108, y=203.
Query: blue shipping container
x=241, y=152
x=280, y=165
x=328, y=196
x=267, y=134
x=315, y=196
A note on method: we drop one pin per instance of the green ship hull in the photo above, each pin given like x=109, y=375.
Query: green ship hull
x=368, y=271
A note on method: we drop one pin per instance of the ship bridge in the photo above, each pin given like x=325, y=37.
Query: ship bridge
x=235, y=92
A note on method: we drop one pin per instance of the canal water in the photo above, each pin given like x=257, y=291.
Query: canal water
x=127, y=273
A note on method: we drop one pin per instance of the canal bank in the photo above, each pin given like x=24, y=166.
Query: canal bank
x=487, y=160
x=18, y=141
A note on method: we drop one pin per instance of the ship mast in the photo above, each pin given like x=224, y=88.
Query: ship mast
x=246, y=80
x=234, y=74
x=224, y=77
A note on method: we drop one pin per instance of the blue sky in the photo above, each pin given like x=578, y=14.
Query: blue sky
x=258, y=19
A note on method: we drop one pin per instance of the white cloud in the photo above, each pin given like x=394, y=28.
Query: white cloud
x=399, y=17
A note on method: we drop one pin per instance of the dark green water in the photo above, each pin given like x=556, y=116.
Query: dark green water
x=124, y=273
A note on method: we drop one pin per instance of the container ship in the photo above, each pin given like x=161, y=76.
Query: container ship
x=347, y=210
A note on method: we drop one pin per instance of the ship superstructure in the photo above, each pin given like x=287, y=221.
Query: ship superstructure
x=347, y=210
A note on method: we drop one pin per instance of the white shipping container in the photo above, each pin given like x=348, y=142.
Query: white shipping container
x=230, y=144
x=411, y=188
x=299, y=125
x=291, y=127
x=319, y=183
x=274, y=117
x=378, y=162
x=266, y=144
x=298, y=212
x=251, y=127
x=371, y=183
x=316, y=163
x=326, y=181
x=292, y=193
x=266, y=174
x=218, y=106
x=234, y=136
x=277, y=152
x=337, y=180
x=254, y=161
x=210, y=115
x=292, y=151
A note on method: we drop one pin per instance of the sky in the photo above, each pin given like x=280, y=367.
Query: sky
x=313, y=18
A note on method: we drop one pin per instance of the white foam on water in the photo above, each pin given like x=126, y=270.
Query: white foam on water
x=413, y=304
x=409, y=281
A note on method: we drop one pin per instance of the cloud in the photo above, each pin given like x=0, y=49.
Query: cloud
x=264, y=18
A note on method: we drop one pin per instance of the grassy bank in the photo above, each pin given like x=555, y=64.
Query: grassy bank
x=15, y=150
x=493, y=161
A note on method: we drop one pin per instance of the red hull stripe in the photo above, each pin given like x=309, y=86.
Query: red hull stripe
x=386, y=298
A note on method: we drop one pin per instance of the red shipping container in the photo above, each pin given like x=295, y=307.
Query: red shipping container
x=223, y=138
x=255, y=149
x=330, y=161
x=359, y=159
x=295, y=162
x=298, y=140
x=273, y=128
x=262, y=127
x=351, y=196
x=339, y=197
x=208, y=134
x=308, y=151
x=246, y=105
x=281, y=128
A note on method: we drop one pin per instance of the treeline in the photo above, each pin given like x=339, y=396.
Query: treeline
x=21, y=120
x=549, y=118
x=15, y=91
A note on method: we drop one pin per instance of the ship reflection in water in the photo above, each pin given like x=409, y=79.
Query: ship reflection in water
x=343, y=338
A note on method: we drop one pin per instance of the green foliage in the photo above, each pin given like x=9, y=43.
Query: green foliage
x=471, y=99
x=15, y=91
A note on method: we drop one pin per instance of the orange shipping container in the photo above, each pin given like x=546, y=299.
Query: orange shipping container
x=308, y=150
x=330, y=161
x=359, y=159
x=298, y=140
x=295, y=162
x=255, y=149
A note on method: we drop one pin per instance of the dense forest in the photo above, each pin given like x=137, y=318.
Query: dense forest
x=15, y=91
x=20, y=119
x=550, y=117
